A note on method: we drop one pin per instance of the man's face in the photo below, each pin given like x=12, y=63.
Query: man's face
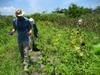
x=19, y=17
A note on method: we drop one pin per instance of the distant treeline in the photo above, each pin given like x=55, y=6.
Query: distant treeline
x=77, y=11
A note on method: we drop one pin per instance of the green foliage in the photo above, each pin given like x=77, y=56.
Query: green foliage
x=9, y=55
x=76, y=11
x=90, y=21
x=67, y=49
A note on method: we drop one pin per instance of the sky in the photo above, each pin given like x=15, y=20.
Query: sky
x=8, y=7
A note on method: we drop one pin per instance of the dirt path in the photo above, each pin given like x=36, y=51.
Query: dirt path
x=35, y=57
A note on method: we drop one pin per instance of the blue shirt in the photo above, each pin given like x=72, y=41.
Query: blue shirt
x=22, y=26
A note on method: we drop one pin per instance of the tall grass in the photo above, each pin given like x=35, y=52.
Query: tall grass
x=67, y=49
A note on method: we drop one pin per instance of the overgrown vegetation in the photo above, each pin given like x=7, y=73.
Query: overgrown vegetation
x=67, y=48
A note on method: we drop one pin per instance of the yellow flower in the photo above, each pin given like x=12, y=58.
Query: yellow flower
x=77, y=48
x=81, y=54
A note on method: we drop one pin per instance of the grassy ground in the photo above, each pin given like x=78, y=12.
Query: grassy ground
x=66, y=51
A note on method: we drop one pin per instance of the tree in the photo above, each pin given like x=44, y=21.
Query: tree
x=58, y=10
x=73, y=10
x=63, y=10
x=97, y=9
x=76, y=11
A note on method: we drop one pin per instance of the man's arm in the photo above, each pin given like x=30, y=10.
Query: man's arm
x=33, y=27
x=13, y=30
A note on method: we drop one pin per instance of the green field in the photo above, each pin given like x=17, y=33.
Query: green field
x=67, y=49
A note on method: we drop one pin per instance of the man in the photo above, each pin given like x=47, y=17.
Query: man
x=35, y=33
x=80, y=21
x=24, y=29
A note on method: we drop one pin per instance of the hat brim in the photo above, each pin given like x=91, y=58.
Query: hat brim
x=20, y=14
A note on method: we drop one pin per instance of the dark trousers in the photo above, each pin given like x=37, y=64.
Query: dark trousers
x=24, y=50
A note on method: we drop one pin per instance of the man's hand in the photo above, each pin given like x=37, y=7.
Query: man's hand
x=10, y=33
x=30, y=33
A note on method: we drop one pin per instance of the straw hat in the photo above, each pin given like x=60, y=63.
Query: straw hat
x=19, y=12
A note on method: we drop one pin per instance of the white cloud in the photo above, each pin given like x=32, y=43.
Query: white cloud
x=36, y=5
x=43, y=5
x=7, y=10
x=40, y=5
